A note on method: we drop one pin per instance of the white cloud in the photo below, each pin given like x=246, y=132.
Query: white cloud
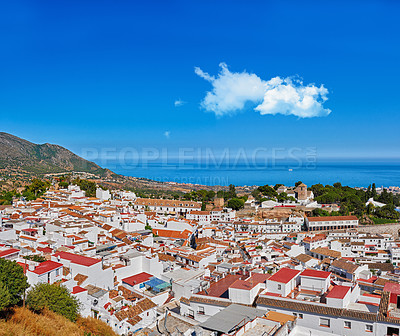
x=231, y=91
x=179, y=102
x=167, y=134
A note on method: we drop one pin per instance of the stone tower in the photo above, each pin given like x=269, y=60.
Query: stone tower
x=301, y=191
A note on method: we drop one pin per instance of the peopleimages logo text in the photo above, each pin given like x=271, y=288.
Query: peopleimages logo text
x=201, y=158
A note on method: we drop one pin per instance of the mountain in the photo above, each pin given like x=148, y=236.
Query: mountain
x=24, y=156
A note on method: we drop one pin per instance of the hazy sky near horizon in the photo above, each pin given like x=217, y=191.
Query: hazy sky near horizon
x=215, y=74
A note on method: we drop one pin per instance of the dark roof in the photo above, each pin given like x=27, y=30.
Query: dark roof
x=386, y=267
x=232, y=318
x=293, y=305
x=344, y=265
x=210, y=301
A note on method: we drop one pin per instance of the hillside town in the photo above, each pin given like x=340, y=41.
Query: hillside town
x=170, y=267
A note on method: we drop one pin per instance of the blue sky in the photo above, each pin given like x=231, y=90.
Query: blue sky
x=107, y=74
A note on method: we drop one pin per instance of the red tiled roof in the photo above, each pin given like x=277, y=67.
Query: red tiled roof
x=241, y=284
x=46, y=267
x=315, y=274
x=78, y=289
x=331, y=218
x=338, y=292
x=29, y=230
x=172, y=234
x=137, y=278
x=259, y=277
x=7, y=252
x=45, y=249
x=218, y=288
x=393, y=288
x=77, y=259
x=284, y=275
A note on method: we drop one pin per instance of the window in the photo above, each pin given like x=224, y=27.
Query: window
x=369, y=327
x=191, y=313
x=347, y=324
x=324, y=322
x=201, y=310
x=300, y=316
x=279, y=287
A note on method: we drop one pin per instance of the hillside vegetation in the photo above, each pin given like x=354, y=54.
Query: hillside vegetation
x=20, y=154
x=24, y=322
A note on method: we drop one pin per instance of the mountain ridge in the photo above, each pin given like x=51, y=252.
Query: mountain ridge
x=21, y=154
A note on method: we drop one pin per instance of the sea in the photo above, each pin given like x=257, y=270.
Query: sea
x=354, y=173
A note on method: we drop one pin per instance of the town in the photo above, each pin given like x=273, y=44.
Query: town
x=149, y=266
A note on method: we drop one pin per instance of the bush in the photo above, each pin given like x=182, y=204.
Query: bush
x=382, y=220
x=55, y=298
x=35, y=257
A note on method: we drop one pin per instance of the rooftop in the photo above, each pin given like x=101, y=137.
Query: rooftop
x=284, y=275
x=338, y=292
x=315, y=274
x=77, y=259
x=137, y=278
x=46, y=267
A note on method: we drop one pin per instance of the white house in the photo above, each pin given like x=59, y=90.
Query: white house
x=283, y=282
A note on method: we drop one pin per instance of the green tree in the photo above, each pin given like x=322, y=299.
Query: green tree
x=337, y=185
x=54, y=297
x=6, y=197
x=317, y=189
x=268, y=191
x=231, y=192
x=256, y=193
x=320, y=213
x=236, y=203
x=13, y=278
x=210, y=195
x=282, y=197
x=369, y=209
x=373, y=191
x=5, y=297
x=368, y=192
x=344, y=210
x=63, y=184
x=385, y=197
x=388, y=211
x=36, y=189
x=88, y=186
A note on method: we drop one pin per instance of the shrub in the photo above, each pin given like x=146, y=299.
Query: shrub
x=55, y=298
